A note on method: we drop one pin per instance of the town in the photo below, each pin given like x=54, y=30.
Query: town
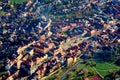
x=60, y=40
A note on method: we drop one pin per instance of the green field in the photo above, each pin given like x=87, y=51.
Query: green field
x=104, y=67
x=18, y=1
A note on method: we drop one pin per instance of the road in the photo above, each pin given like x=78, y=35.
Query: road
x=69, y=70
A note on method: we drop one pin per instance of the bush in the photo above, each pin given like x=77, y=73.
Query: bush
x=118, y=62
x=93, y=63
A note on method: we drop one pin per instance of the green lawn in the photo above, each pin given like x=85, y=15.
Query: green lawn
x=103, y=73
x=18, y=1
x=104, y=67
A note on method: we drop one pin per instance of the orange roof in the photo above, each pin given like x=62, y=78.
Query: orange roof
x=106, y=25
x=51, y=44
x=88, y=5
x=118, y=40
x=26, y=57
x=94, y=2
x=86, y=79
x=65, y=28
x=63, y=53
x=93, y=31
x=43, y=37
x=73, y=24
x=118, y=14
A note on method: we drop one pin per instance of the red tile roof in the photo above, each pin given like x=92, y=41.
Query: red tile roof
x=96, y=78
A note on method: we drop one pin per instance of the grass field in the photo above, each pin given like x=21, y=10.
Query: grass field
x=104, y=67
x=18, y=1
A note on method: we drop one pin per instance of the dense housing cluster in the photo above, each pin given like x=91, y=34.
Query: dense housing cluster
x=35, y=45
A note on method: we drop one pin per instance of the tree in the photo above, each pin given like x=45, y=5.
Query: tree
x=85, y=70
x=117, y=62
x=93, y=63
x=118, y=49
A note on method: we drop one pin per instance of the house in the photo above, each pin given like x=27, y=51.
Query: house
x=88, y=5
x=42, y=37
x=51, y=45
x=38, y=60
x=65, y=28
x=58, y=50
x=31, y=52
x=16, y=73
x=70, y=61
x=49, y=33
x=119, y=41
x=29, y=3
x=63, y=53
x=106, y=25
x=19, y=64
x=93, y=32
x=68, y=39
x=25, y=57
x=43, y=48
x=40, y=72
x=96, y=78
x=54, y=50
x=26, y=66
x=19, y=57
x=86, y=79
x=78, y=53
x=56, y=66
x=73, y=24
x=19, y=50
x=10, y=78
x=44, y=58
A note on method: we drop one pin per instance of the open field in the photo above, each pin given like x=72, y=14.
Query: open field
x=104, y=67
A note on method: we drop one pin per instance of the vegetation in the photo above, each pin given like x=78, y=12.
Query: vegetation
x=57, y=74
x=118, y=49
x=2, y=12
x=18, y=1
x=104, y=67
x=91, y=68
x=2, y=72
x=112, y=75
x=48, y=1
x=117, y=62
